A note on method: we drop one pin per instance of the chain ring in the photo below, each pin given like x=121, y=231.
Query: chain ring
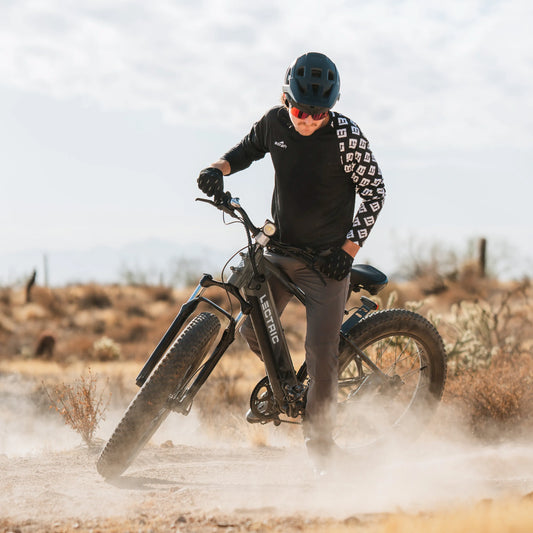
x=262, y=402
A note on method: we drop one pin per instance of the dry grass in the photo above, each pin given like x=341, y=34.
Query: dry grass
x=496, y=401
x=511, y=515
x=487, y=327
x=490, y=386
x=80, y=404
x=485, y=517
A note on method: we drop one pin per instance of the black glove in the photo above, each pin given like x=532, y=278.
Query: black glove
x=336, y=265
x=211, y=182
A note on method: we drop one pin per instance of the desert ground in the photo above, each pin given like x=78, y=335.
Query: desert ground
x=471, y=469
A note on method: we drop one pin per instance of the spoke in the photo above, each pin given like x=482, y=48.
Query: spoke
x=401, y=357
x=346, y=382
x=413, y=371
x=381, y=347
x=415, y=363
x=409, y=342
x=398, y=358
x=389, y=346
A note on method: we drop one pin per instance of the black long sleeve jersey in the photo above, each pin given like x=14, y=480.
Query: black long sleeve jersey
x=317, y=178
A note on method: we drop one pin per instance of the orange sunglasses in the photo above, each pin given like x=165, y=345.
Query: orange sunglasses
x=298, y=113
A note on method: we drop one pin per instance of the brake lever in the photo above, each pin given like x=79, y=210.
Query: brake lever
x=223, y=204
x=205, y=200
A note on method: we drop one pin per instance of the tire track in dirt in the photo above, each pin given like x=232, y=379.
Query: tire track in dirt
x=245, y=480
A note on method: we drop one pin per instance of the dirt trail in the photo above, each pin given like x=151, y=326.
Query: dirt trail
x=245, y=481
x=47, y=479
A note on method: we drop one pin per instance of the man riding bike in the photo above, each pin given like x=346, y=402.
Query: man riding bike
x=321, y=161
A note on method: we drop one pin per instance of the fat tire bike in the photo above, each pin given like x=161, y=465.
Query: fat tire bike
x=392, y=363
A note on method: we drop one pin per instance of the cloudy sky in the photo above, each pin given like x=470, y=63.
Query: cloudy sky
x=110, y=108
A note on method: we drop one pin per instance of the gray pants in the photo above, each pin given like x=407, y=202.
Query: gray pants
x=324, y=313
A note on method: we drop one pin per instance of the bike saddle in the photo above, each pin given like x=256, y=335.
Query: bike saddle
x=367, y=277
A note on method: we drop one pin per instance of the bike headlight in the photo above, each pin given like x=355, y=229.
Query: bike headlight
x=269, y=228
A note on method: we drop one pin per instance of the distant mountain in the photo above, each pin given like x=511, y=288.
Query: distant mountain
x=153, y=260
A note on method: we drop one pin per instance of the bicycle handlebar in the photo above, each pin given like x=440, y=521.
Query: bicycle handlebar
x=231, y=206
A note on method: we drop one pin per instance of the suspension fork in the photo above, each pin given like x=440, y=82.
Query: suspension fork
x=181, y=401
x=185, y=312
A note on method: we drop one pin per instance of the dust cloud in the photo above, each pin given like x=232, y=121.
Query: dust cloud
x=26, y=424
x=188, y=467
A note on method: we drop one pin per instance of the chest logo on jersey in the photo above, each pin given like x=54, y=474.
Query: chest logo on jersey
x=280, y=144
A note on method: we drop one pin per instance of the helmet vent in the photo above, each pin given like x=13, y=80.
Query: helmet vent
x=312, y=82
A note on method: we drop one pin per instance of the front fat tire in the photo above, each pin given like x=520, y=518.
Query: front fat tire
x=147, y=410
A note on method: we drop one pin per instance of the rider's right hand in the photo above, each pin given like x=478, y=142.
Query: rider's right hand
x=211, y=182
x=336, y=265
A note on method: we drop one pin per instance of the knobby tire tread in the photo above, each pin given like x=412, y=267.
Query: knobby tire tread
x=131, y=434
x=403, y=322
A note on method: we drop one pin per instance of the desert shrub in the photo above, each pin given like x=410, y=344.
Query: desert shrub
x=106, y=349
x=134, y=276
x=99, y=326
x=161, y=293
x=469, y=277
x=136, y=331
x=227, y=391
x=224, y=388
x=421, y=260
x=45, y=345
x=49, y=299
x=473, y=342
x=135, y=310
x=438, y=268
x=498, y=399
x=7, y=324
x=5, y=296
x=392, y=300
x=79, y=346
x=80, y=404
x=477, y=331
x=186, y=271
x=94, y=296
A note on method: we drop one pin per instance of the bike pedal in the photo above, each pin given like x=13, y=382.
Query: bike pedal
x=251, y=418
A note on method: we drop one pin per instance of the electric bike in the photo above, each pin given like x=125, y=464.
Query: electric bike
x=392, y=363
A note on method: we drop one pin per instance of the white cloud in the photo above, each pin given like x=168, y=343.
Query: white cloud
x=457, y=74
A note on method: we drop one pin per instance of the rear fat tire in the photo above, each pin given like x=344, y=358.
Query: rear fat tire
x=400, y=333
x=147, y=410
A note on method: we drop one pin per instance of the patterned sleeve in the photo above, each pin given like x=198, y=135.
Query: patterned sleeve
x=361, y=166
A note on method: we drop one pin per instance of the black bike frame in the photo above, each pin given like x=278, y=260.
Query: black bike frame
x=258, y=303
x=255, y=298
x=250, y=285
x=284, y=382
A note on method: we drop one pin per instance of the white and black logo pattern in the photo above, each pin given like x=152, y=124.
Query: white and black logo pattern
x=361, y=167
x=342, y=133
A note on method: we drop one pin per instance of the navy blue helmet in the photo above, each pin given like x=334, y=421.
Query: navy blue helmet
x=312, y=83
